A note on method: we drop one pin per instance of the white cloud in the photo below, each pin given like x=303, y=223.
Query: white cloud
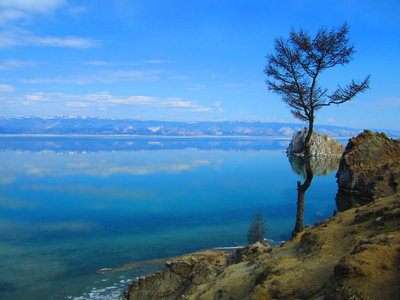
x=77, y=104
x=105, y=76
x=105, y=105
x=156, y=61
x=16, y=36
x=104, y=101
x=98, y=63
x=9, y=64
x=36, y=97
x=9, y=15
x=68, y=42
x=42, y=6
x=13, y=10
x=217, y=105
x=77, y=9
x=133, y=75
x=180, y=103
x=6, y=88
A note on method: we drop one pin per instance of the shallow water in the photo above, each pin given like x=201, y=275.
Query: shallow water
x=70, y=206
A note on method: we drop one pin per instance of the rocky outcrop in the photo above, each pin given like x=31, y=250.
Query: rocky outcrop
x=180, y=276
x=370, y=166
x=353, y=255
x=320, y=144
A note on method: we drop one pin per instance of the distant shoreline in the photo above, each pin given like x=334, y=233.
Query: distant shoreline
x=147, y=136
x=246, y=137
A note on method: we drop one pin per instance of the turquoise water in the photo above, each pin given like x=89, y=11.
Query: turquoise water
x=70, y=206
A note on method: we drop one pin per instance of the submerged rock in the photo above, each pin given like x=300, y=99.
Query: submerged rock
x=320, y=144
x=370, y=166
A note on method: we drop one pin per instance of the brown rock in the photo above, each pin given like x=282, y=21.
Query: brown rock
x=180, y=276
x=370, y=166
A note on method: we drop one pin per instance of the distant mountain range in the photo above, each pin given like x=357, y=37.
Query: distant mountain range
x=63, y=125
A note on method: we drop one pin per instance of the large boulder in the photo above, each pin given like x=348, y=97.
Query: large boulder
x=370, y=166
x=320, y=144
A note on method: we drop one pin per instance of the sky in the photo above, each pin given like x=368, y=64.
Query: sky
x=187, y=60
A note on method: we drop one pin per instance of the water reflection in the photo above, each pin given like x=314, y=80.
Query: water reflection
x=88, y=144
x=308, y=167
x=346, y=200
x=321, y=166
x=99, y=164
x=301, y=192
x=71, y=206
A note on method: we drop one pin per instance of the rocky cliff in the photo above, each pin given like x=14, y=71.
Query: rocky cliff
x=370, y=166
x=320, y=144
x=353, y=255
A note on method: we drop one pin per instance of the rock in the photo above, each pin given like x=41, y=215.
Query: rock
x=320, y=144
x=180, y=276
x=370, y=166
x=250, y=252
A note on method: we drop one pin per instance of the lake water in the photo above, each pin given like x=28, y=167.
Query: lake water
x=70, y=206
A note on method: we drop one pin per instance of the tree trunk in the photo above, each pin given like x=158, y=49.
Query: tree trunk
x=306, y=145
x=302, y=188
x=301, y=192
x=300, y=209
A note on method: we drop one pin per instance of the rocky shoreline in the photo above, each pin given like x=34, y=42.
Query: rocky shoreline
x=352, y=255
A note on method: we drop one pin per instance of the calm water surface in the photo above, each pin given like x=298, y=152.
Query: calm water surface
x=70, y=206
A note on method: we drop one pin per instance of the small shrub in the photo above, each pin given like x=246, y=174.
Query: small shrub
x=257, y=228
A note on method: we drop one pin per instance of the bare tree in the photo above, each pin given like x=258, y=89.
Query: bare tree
x=293, y=72
x=296, y=65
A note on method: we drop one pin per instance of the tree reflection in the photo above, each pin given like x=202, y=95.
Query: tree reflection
x=301, y=192
x=307, y=166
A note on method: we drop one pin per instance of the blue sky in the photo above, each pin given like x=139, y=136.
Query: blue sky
x=186, y=60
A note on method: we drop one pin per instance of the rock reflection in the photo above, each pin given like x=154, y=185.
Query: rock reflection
x=320, y=165
x=347, y=200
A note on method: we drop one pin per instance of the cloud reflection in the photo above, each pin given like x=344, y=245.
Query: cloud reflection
x=100, y=164
x=14, y=203
x=96, y=192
